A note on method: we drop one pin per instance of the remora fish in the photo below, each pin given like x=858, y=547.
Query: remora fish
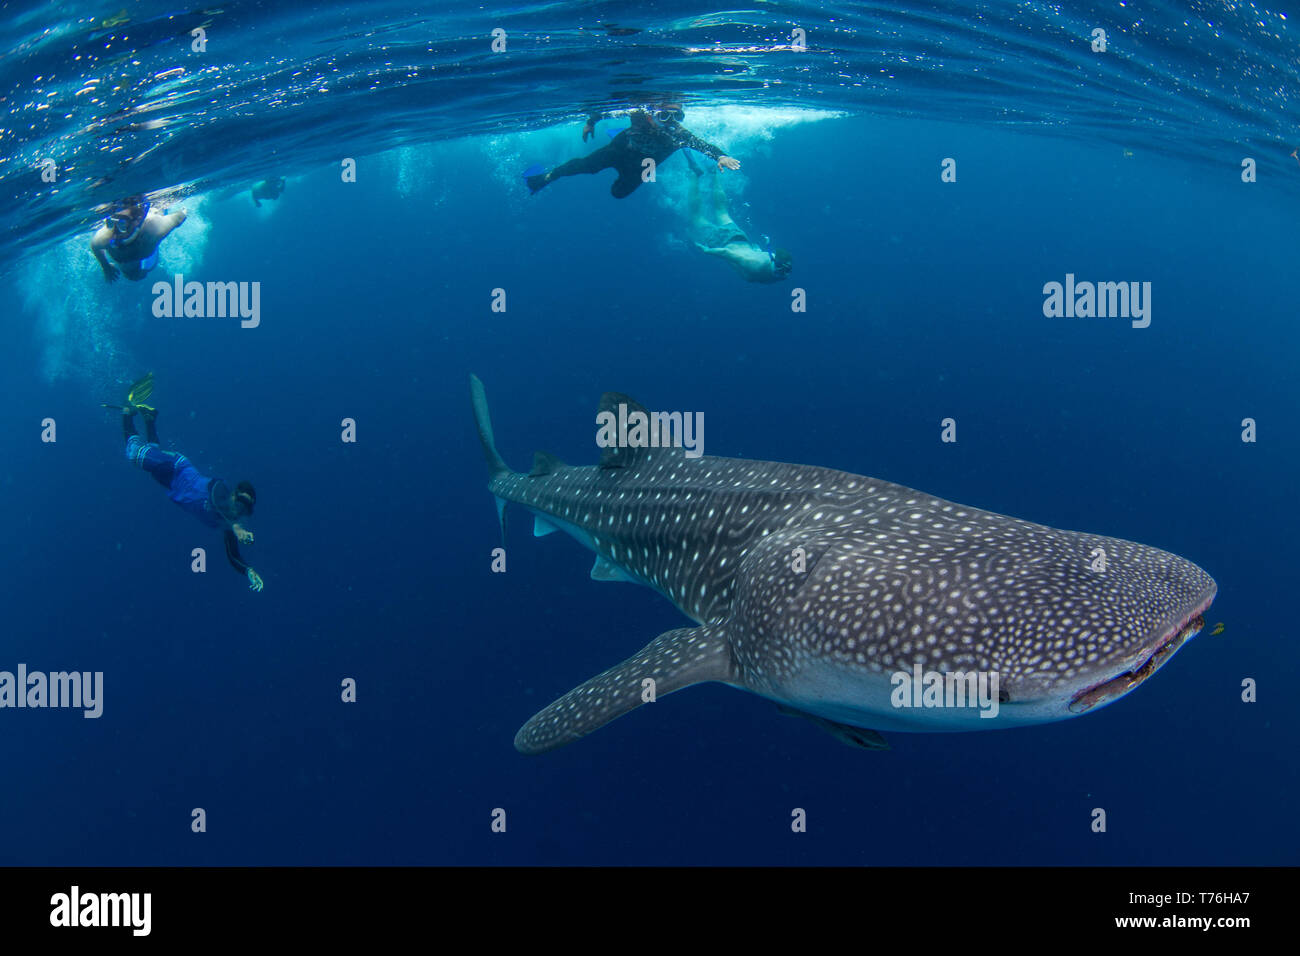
x=892, y=578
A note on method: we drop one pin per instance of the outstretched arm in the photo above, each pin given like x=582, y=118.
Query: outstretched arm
x=589, y=130
x=98, y=243
x=237, y=562
x=232, y=552
x=686, y=138
x=172, y=220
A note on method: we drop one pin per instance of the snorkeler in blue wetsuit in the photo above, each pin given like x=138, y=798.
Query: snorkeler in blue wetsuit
x=130, y=236
x=208, y=499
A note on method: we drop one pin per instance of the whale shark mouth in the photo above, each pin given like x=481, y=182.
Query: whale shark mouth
x=1161, y=651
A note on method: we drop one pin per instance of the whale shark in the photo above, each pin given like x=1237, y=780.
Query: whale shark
x=817, y=588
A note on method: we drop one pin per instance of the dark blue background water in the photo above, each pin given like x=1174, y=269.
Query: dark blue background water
x=924, y=302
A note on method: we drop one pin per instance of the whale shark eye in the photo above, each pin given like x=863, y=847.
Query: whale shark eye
x=1004, y=696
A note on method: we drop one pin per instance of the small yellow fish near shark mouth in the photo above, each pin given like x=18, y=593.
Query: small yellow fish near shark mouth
x=814, y=588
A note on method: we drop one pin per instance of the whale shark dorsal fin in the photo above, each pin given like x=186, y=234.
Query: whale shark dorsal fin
x=544, y=463
x=673, y=660
x=623, y=407
x=859, y=737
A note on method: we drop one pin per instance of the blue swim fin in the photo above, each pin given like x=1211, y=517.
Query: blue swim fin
x=534, y=170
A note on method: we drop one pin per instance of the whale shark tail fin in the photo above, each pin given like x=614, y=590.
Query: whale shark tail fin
x=673, y=660
x=496, y=466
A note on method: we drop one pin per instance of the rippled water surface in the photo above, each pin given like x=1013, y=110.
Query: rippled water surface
x=121, y=101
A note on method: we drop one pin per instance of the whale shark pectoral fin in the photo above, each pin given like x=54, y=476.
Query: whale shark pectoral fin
x=673, y=660
x=606, y=570
x=859, y=737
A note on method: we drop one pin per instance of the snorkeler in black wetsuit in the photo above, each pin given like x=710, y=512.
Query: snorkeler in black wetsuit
x=654, y=134
x=267, y=189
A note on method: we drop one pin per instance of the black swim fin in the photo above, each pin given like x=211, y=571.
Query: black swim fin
x=535, y=177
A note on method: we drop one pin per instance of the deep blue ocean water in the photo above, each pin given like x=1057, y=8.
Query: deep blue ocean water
x=924, y=302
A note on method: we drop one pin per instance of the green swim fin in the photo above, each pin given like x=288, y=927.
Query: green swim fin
x=140, y=390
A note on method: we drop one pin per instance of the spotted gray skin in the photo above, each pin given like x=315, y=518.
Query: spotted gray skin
x=893, y=578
